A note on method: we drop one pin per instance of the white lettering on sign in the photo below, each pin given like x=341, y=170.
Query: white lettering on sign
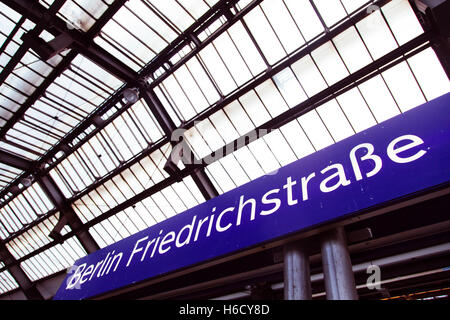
x=245, y=209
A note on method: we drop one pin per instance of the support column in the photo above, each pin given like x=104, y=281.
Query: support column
x=297, y=277
x=337, y=267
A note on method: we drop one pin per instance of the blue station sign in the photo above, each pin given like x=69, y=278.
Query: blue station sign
x=399, y=157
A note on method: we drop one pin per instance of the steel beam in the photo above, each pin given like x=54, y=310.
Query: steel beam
x=375, y=68
x=73, y=136
x=67, y=215
x=83, y=43
x=25, y=284
x=18, y=55
x=204, y=183
x=15, y=161
x=162, y=116
x=11, y=65
x=346, y=84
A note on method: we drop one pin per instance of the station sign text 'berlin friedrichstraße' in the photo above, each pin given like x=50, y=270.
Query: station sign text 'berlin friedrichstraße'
x=398, y=157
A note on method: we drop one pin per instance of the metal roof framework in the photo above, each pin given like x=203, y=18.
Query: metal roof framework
x=250, y=85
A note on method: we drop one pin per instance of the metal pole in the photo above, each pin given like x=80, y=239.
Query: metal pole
x=337, y=267
x=297, y=278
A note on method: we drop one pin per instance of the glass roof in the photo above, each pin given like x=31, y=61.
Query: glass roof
x=8, y=174
x=7, y=282
x=143, y=28
x=80, y=14
x=216, y=79
x=27, y=207
x=76, y=93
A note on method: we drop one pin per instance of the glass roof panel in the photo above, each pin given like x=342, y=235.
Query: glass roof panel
x=379, y=98
x=146, y=173
x=309, y=76
x=404, y=87
x=148, y=27
x=335, y=120
x=55, y=259
x=7, y=282
x=329, y=63
x=174, y=12
x=305, y=17
x=395, y=90
x=352, y=50
x=271, y=98
x=82, y=14
x=214, y=63
x=24, y=209
x=356, y=110
x=289, y=86
x=376, y=35
x=17, y=149
x=158, y=207
x=402, y=21
x=247, y=49
x=331, y=11
x=316, y=130
x=233, y=59
x=429, y=73
x=196, y=8
x=283, y=24
x=154, y=22
x=68, y=100
x=15, y=41
x=9, y=14
x=7, y=175
x=125, y=137
x=265, y=36
x=33, y=238
x=298, y=140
